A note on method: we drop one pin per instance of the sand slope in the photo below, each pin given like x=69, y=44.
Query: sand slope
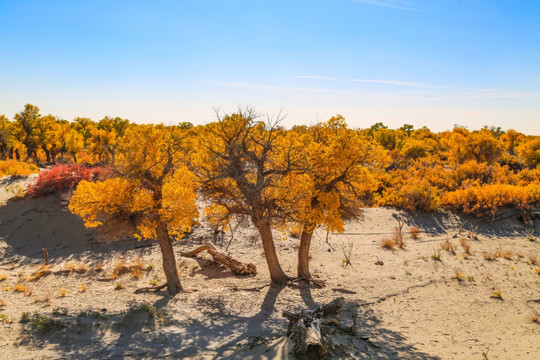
x=410, y=305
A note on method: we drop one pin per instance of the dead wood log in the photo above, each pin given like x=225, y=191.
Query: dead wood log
x=310, y=330
x=236, y=266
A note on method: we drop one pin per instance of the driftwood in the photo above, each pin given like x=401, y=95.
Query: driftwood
x=310, y=330
x=236, y=266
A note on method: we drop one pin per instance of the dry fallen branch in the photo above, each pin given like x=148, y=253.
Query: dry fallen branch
x=310, y=330
x=236, y=266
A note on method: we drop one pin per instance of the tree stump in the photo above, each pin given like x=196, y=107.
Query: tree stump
x=234, y=265
x=310, y=330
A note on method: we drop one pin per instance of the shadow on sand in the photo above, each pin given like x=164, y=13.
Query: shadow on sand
x=216, y=334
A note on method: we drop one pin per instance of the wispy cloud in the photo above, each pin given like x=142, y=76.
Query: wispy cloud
x=504, y=94
x=387, y=82
x=393, y=4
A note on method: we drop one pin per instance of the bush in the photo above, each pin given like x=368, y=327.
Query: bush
x=62, y=178
x=487, y=199
x=14, y=167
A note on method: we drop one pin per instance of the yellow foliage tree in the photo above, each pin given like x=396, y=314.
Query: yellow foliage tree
x=337, y=174
x=151, y=190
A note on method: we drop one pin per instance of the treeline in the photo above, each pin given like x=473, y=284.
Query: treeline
x=144, y=180
x=474, y=171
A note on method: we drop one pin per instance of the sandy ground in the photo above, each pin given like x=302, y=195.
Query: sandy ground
x=410, y=306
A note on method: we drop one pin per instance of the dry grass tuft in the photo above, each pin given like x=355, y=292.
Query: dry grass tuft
x=465, y=245
x=535, y=318
x=3, y=277
x=458, y=274
x=20, y=288
x=82, y=287
x=489, y=256
x=347, y=254
x=2, y=303
x=414, y=232
x=43, y=271
x=388, y=243
x=532, y=259
x=62, y=291
x=448, y=246
x=120, y=267
x=99, y=267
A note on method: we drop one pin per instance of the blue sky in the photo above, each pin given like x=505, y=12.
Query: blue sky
x=432, y=63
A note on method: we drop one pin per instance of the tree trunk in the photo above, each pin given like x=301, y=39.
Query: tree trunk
x=276, y=272
x=169, y=262
x=236, y=266
x=47, y=154
x=310, y=331
x=303, y=254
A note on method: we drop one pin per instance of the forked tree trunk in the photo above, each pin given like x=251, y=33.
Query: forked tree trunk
x=276, y=272
x=169, y=262
x=303, y=254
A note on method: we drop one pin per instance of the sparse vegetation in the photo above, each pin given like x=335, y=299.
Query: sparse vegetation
x=414, y=232
x=497, y=294
x=448, y=246
x=436, y=255
x=347, y=254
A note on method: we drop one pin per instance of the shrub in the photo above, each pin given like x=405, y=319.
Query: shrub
x=14, y=167
x=62, y=178
x=414, y=232
x=420, y=197
x=487, y=199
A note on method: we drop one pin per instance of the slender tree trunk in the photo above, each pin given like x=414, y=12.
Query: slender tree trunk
x=169, y=261
x=276, y=272
x=47, y=154
x=303, y=254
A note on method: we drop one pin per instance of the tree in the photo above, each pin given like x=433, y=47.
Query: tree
x=339, y=166
x=25, y=131
x=151, y=193
x=240, y=163
x=6, y=137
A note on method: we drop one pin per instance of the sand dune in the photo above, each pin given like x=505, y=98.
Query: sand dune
x=410, y=305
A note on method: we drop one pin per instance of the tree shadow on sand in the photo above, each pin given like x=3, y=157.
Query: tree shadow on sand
x=29, y=224
x=214, y=333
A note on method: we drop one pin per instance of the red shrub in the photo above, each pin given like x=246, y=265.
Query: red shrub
x=62, y=178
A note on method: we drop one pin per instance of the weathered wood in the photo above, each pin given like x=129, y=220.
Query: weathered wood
x=309, y=330
x=236, y=266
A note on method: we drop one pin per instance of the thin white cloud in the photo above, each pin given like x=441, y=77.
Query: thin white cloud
x=387, y=82
x=393, y=4
x=504, y=94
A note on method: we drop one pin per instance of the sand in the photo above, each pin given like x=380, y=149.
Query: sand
x=410, y=305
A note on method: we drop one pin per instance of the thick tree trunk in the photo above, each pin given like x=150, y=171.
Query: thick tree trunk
x=236, y=266
x=276, y=272
x=303, y=254
x=169, y=262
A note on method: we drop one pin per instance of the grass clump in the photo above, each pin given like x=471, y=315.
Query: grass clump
x=414, y=232
x=43, y=271
x=532, y=259
x=436, y=255
x=458, y=275
x=347, y=254
x=42, y=323
x=448, y=246
x=497, y=294
x=62, y=291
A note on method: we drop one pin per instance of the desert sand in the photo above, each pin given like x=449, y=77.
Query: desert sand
x=410, y=305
